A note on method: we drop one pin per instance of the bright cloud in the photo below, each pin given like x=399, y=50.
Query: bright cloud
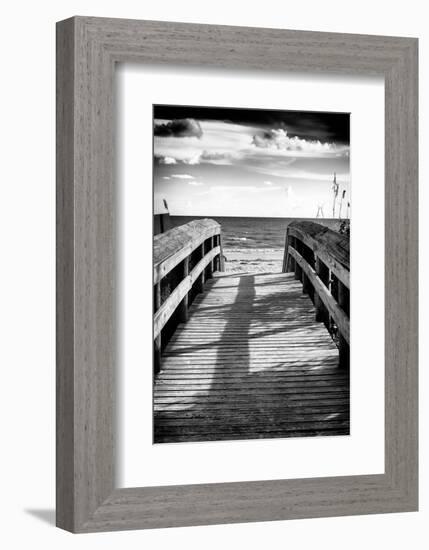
x=279, y=140
x=167, y=160
x=182, y=176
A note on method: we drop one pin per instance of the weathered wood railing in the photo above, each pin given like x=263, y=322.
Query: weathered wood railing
x=183, y=258
x=320, y=259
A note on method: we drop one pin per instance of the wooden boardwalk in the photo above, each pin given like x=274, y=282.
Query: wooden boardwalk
x=251, y=362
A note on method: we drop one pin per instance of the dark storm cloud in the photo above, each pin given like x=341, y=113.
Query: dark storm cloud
x=323, y=126
x=184, y=127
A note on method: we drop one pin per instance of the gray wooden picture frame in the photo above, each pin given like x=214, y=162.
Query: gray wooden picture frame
x=87, y=51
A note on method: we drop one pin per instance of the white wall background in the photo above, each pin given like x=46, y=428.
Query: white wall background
x=27, y=289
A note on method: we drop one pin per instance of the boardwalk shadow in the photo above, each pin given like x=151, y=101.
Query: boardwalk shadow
x=243, y=396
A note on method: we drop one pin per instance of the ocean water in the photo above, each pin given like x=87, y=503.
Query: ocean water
x=253, y=233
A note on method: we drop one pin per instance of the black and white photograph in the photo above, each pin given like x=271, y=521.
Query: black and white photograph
x=187, y=188
x=251, y=283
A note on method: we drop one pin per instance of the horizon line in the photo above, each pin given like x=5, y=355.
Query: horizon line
x=241, y=216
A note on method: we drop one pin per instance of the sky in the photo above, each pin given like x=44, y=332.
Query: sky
x=250, y=162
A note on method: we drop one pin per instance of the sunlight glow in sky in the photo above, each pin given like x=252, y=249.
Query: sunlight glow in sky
x=220, y=162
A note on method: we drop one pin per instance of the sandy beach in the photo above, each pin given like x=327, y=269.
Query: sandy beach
x=255, y=260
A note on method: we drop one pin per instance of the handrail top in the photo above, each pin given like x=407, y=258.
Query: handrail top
x=321, y=238
x=174, y=240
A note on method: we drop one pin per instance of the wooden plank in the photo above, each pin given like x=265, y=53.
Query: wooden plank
x=296, y=400
x=235, y=370
x=183, y=409
x=201, y=376
x=255, y=428
x=278, y=386
x=221, y=414
x=260, y=422
x=229, y=437
x=229, y=370
x=232, y=427
x=293, y=400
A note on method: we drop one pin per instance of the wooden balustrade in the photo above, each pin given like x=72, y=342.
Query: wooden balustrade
x=183, y=259
x=320, y=259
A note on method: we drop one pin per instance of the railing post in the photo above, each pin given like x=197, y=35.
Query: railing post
x=286, y=257
x=211, y=264
x=298, y=268
x=199, y=283
x=157, y=342
x=344, y=348
x=217, y=258
x=221, y=258
x=288, y=260
x=305, y=284
x=329, y=285
x=183, y=306
x=318, y=304
x=286, y=253
x=322, y=314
